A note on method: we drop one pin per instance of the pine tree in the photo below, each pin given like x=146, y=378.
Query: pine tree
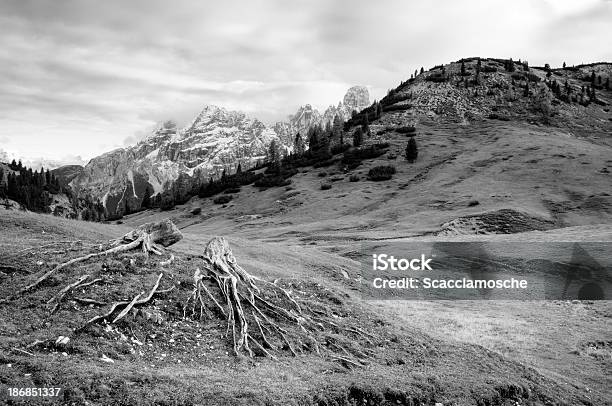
x=607, y=85
x=379, y=110
x=298, y=144
x=338, y=129
x=358, y=137
x=462, y=68
x=412, y=151
x=526, y=90
x=563, y=65
x=239, y=168
x=422, y=70
x=146, y=199
x=593, y=77
x=273, y=154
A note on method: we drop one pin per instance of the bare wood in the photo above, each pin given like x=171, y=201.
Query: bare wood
x=127, y=308
x=84, y=300
x=60, y=296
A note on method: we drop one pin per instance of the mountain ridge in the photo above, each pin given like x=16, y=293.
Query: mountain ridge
x=216, y=140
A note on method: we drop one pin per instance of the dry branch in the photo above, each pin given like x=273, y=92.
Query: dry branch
x=62, y=293
x=125, y=306
x=149, y=236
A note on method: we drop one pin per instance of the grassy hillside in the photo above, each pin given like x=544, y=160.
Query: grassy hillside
x=491, y=167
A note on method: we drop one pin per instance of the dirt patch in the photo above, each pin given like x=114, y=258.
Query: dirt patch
x=505, y=221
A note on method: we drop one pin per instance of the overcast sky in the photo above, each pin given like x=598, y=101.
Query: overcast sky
x=80, y=77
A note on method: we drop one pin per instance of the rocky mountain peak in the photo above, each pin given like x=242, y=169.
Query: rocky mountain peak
x=357, y=98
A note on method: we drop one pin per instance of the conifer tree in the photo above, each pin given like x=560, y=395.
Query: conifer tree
x=146, y=199
x=462, y=68
x=358, y=137
x=338, y=129
x=298, y=144
x=412, y=151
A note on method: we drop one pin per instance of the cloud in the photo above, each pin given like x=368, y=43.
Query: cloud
x=80, y=75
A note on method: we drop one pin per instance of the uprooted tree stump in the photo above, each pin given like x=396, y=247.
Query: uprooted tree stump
x=150, y=237
x=261, y=315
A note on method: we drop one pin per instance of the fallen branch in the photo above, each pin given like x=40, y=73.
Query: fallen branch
x=147, y=236
x=23, y=351
x=123, y=305
x=87, y=301
x=62, y=293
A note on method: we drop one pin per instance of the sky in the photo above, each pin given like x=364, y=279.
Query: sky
x=82, y=77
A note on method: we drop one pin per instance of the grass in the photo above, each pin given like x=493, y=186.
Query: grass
x=188, y=361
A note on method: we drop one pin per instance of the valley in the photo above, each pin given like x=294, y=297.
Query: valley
x=528, y=177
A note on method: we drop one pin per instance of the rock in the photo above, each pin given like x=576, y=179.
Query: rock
x=357, y=98
x=62, y=340
x=106, y=359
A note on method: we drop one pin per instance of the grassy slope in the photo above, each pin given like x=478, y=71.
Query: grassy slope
x=437, y=351
x=194, y=367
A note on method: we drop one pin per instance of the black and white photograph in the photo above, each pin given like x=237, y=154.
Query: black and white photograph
x=306, y=202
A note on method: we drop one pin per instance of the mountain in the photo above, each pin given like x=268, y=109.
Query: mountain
x=216, y=140
x=356, y=99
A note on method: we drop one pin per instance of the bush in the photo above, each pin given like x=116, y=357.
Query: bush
x=353, y=158
x=326, y=186
x=397, y=107
x=232, y=190
x=489, y=69
x=338, y=149
x=196, y=211
x=383, y=172
x=223, y=199
x=495, y=116
x=324, y=164
x=322, y=174
x=354, y=178
x=406, y=130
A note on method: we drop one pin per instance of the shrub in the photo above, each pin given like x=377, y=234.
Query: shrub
x=383, y=172
x=354, y=178
x=495, y=116
x=473, y=203
x=322, y=174
x=326, y=186
x=353, y=158
x=196, y=211
x=397, y=107
x=338, y=149
x=406, y=130
x=324, y=164
x=232, y=190
x=223, y=199
x=489, y=69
